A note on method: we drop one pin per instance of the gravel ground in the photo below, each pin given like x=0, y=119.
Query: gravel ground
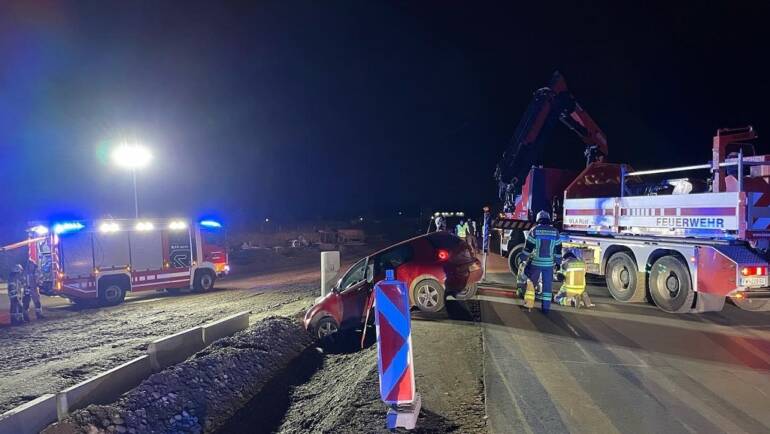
x=336, y=390
x=50, y=355
x=200, y=394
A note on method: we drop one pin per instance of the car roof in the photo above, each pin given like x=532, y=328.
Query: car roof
x=433, y=236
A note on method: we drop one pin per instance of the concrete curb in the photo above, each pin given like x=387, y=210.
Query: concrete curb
x=104, y=388
x=225, y=327
x=30, y=417
x=173, y=349
x=34, y=416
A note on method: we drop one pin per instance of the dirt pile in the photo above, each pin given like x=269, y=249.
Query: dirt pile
x=200, y=394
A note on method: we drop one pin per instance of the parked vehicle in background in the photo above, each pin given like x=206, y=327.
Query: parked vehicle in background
x=432, y=266
x=103, y=260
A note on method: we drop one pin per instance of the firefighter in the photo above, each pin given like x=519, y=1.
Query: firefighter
x=15, y=287
x=440, y=223
x=542, y=251
x=470, y=235
x=573, y=290
x=31, y=292
x=461, y=229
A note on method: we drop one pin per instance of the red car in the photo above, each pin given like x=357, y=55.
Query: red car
x=433, y=266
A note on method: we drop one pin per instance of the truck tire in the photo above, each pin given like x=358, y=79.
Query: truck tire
x=621, y=277
x=753, y=305
x=429, y=296
x=671, y=285
x=514, y=260
x=111, y=292
x=204, y=280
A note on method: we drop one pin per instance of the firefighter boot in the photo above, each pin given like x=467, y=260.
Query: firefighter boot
x=25, y=316
x=39, y=313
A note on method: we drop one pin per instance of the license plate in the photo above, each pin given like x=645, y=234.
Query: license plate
x=754, y=282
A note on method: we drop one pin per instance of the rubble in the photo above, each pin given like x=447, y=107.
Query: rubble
x=200, y=394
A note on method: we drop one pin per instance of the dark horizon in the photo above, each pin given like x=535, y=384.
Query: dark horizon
x=304, y=110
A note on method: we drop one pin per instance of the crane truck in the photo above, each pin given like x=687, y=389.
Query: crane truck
x=686, y=238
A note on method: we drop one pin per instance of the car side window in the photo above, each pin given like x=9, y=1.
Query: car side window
x=391, y=259
x=356, y=274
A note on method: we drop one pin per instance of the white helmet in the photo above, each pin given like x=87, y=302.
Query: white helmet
x=543, y=215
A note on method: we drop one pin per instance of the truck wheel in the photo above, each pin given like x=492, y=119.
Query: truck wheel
x=753, y=305
x=467, y=293
x=514, y=260
x=670, y=285
x=204, y=280
x=429, y=296
x=621, y=278
x=111, y=293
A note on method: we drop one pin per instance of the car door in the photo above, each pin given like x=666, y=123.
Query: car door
x=354, y=292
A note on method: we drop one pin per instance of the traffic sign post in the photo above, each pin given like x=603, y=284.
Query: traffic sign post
x=394, y=352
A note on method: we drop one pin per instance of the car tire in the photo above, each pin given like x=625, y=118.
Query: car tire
x=428, y=296
x=468, y=293
x=622, y=278
x=111, y=293
x=204, y=280
x=671, y=285
x=325, y=329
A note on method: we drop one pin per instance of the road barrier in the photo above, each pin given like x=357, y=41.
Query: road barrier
x=175, y=348
x=30, y=417
x=225, y=327
x=104, y=388
x=34, y=416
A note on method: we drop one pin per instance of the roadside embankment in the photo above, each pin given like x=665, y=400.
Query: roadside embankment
x=201, y=393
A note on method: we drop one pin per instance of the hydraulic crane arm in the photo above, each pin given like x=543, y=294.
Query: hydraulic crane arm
x=548, y=105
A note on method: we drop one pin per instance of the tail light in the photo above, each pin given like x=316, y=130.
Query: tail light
x=442, y=255
x=754, y=271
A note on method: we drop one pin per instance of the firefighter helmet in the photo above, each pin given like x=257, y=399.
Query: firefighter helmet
x=543, y=217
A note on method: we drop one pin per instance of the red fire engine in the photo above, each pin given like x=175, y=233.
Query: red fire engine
x=103, y=260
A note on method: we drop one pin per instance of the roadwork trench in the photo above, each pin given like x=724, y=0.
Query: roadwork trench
x=273, y=378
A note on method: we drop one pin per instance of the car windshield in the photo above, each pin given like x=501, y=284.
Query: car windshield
x=355, y=274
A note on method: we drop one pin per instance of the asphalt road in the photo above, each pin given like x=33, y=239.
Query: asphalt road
x=624, y=368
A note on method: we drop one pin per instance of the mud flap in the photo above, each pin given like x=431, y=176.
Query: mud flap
x=708, y=303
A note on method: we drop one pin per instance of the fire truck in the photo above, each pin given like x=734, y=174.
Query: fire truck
x=100, y=261
x=686, y=238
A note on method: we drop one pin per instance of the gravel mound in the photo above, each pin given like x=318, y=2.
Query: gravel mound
x=200, y=394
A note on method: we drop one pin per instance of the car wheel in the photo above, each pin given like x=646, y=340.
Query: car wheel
x=325, y=328
x=670, y=285
x=467, y=293
x=621, y=276
x=204, y=280
x=111, y=294
x=429, y=296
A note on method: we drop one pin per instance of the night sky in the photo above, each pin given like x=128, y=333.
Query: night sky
x=294, y=109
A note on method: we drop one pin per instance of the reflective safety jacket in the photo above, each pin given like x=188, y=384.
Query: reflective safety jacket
x=543, y=246
x=462, y=230
x=574, y=277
